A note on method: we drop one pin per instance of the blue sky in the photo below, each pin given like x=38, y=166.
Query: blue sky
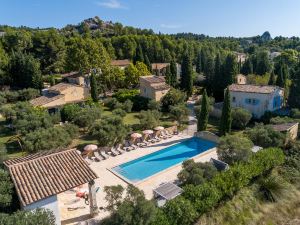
x=237, y=18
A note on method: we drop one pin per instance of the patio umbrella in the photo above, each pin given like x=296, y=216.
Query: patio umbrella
x=90, y=147
x=148, y=132
x=159, y=128
x=136, y=135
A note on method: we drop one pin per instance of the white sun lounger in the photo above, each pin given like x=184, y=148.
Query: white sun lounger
x=103, y=154
x=98, y=156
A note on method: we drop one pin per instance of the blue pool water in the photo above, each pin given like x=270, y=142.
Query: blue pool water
x=153, y=163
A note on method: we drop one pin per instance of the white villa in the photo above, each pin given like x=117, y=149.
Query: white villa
x=257, y=99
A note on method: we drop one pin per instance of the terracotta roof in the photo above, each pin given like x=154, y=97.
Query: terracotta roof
x=43, y=100
x=262, y=89
x=42, y=175
x=283, y=126
x=159, y=65
x=154, y=79
x=160, y=87
x=122, y=62
x=61, y=87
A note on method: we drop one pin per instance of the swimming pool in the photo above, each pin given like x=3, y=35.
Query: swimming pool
x=153, y=163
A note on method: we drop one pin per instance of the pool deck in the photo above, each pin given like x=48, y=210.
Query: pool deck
x=107, y=178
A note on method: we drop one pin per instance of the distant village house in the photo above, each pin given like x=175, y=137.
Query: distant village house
x=257, y=99
x=76, y=90
x=153, y=87
x=123, y=63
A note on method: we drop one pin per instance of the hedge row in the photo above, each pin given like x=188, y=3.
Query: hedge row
x=224, y=185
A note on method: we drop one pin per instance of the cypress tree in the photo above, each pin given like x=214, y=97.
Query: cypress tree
x=173, y=71
x=282, y=77
x=294, y=95
x=247, y=67
x=198, y=63
x=186, y=82
x=225, y=123
x=147, y=62
x=202, y=117
x=230, y=70
x=139, y=57
x=94, y=88
x=168, y=75
x=218, y=89
x=272, y=80
x=209, y=73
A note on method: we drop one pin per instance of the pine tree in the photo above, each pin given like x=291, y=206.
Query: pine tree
x=139, y=57
x=272, y=80
x=202, y=117
x=94, y=88
x=225, y=123
x=147, y=62
x=186, y=82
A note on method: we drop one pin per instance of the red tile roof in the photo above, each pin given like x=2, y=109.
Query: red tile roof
x=42, y=175
x=122, y=62
x=159, y=66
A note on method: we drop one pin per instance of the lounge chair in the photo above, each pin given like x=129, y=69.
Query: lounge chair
x=142, y=143
x=127, y=147
x=103, y=154
x=154, y=138
x=133, y=145
x=168, y=134
x=98, y=156
x=119, y=149
x=89, y=162
x=114, y=152
x=163, y=135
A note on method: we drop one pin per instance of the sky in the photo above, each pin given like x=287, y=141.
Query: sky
x=238, y=18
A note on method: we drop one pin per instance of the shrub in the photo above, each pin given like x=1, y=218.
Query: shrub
x=149, y=119
x=112, y=103
x=6, y=189
x=126, y=94
x=69, y=112
x=180, y=211
x=119, y=112
x=196, y=173
x=240, y=117
x=227, y=183
x=295, y=113
x=172, y=98
x=140, y=103
x=265, y=136
x=127, y=106
x=234, y=148
x=179, y=113
x=154, y=105
x=86, y=116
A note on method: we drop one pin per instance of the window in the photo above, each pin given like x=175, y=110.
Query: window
x=252, y=101
x=233, y=99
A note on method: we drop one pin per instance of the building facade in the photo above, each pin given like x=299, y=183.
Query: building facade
x=257, y=99
x=153, y=87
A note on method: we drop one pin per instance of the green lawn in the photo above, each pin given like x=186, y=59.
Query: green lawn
x=12, y=148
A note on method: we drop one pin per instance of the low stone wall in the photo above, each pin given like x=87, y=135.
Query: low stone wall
x=207, y=136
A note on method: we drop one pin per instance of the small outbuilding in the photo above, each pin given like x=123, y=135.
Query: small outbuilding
x=219, y=164
x=290, y=129
x=38, y=178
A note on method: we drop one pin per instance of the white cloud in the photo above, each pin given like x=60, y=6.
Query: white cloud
x=111, y=4
x=170, y=26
